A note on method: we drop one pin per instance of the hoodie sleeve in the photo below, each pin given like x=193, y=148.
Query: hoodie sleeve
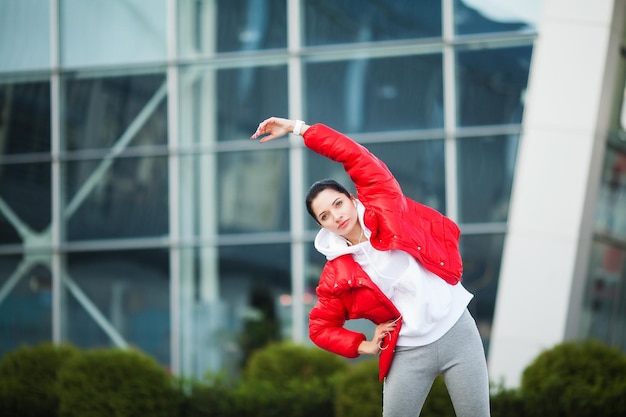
x=369, y=174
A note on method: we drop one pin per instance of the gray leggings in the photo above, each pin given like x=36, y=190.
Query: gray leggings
x=458, y=356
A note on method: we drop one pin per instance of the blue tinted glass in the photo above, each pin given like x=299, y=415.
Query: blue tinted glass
x=25, y=123
x=131, y=291
x=120, y=198
x=24, y=35
x=112, y=32
x=350, y=21
x=253, y=191
x=488, y=16
x=491, y=84
x=485, y=175
x=376, y=94
x=26, y=190
x=26, y=312
x=250, y=25
x=101, y=112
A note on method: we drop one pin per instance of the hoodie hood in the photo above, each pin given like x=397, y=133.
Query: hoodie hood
x=333, y=246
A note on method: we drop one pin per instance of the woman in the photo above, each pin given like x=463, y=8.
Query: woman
x=395, y=262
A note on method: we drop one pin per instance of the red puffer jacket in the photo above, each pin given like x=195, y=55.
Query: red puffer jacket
x=345, y=291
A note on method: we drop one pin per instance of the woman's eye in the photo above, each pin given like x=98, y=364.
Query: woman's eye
x=324, y=217
x=339, y=203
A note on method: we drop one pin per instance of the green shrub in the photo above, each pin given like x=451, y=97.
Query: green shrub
x=215, y=397
x=312, y=397
x=507, y=402
x=280, y=363
x=359, y=393
x=28, y=380
x=578, y=379
x=116, y=383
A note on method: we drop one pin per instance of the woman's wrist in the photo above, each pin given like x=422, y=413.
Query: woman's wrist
x=298, y=127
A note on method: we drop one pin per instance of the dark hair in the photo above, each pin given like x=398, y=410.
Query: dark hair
x=320, y=186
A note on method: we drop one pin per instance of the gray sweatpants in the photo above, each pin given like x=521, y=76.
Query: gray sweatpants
x=458, y=356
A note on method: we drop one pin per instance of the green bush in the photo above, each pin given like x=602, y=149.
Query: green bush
x=578, y=379
x=116, y=383
x=280, y=363
x=281, y=379
x=507, y=402
x=359, y=393
x=28, y=380
x=213, y=398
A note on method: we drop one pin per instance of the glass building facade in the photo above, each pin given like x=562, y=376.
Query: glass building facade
x=134, y=209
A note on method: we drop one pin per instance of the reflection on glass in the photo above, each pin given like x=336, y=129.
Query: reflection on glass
x=25, y=117
x=611, y=205
x=353, y=21
x=112, y=32
x=491, y=85
x=253, y=191
x=25, y=194
x=234, y=299
x=418, y=166
x=25, y=311
x=485, y=176
x=488, y=16
x=228, y=104
x=210, y=26
x=481, y=273
x=24, y=34
x=119, y=296
x=128, y=198
x=121, y=111
x=605, y=296
x=368, y=95
x=245, y=96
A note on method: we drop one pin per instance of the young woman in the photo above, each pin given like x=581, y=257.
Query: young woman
x=395, y=262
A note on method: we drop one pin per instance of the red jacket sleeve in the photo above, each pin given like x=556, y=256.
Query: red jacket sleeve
x=326, y=329
x=369, y=174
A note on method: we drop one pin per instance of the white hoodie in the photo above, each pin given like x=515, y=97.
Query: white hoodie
x=428, y=304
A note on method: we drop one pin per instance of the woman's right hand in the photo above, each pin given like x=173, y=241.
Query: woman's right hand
x=274, y=128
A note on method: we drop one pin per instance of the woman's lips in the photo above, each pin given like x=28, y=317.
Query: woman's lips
x=343, y=224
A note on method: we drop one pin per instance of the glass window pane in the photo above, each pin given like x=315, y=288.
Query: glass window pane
x=491, y=85
x=25, y=118
x=611, y=205
x=485, y=176
x=487, y=16
x=227, y=105
x=376, y=94
x=116, y=198
x=26, y=311
x=352, y=21
x=24, y=35
x=418, y=166
x=112, y=32
x=603, y=306
x=25, y=194
x=122, y=111
x=481, y=273
x=235, y=299
x=253, y=191
x=210, y=26
x=125, y=290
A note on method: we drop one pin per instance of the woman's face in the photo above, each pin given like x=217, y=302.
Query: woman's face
x=335, y=211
